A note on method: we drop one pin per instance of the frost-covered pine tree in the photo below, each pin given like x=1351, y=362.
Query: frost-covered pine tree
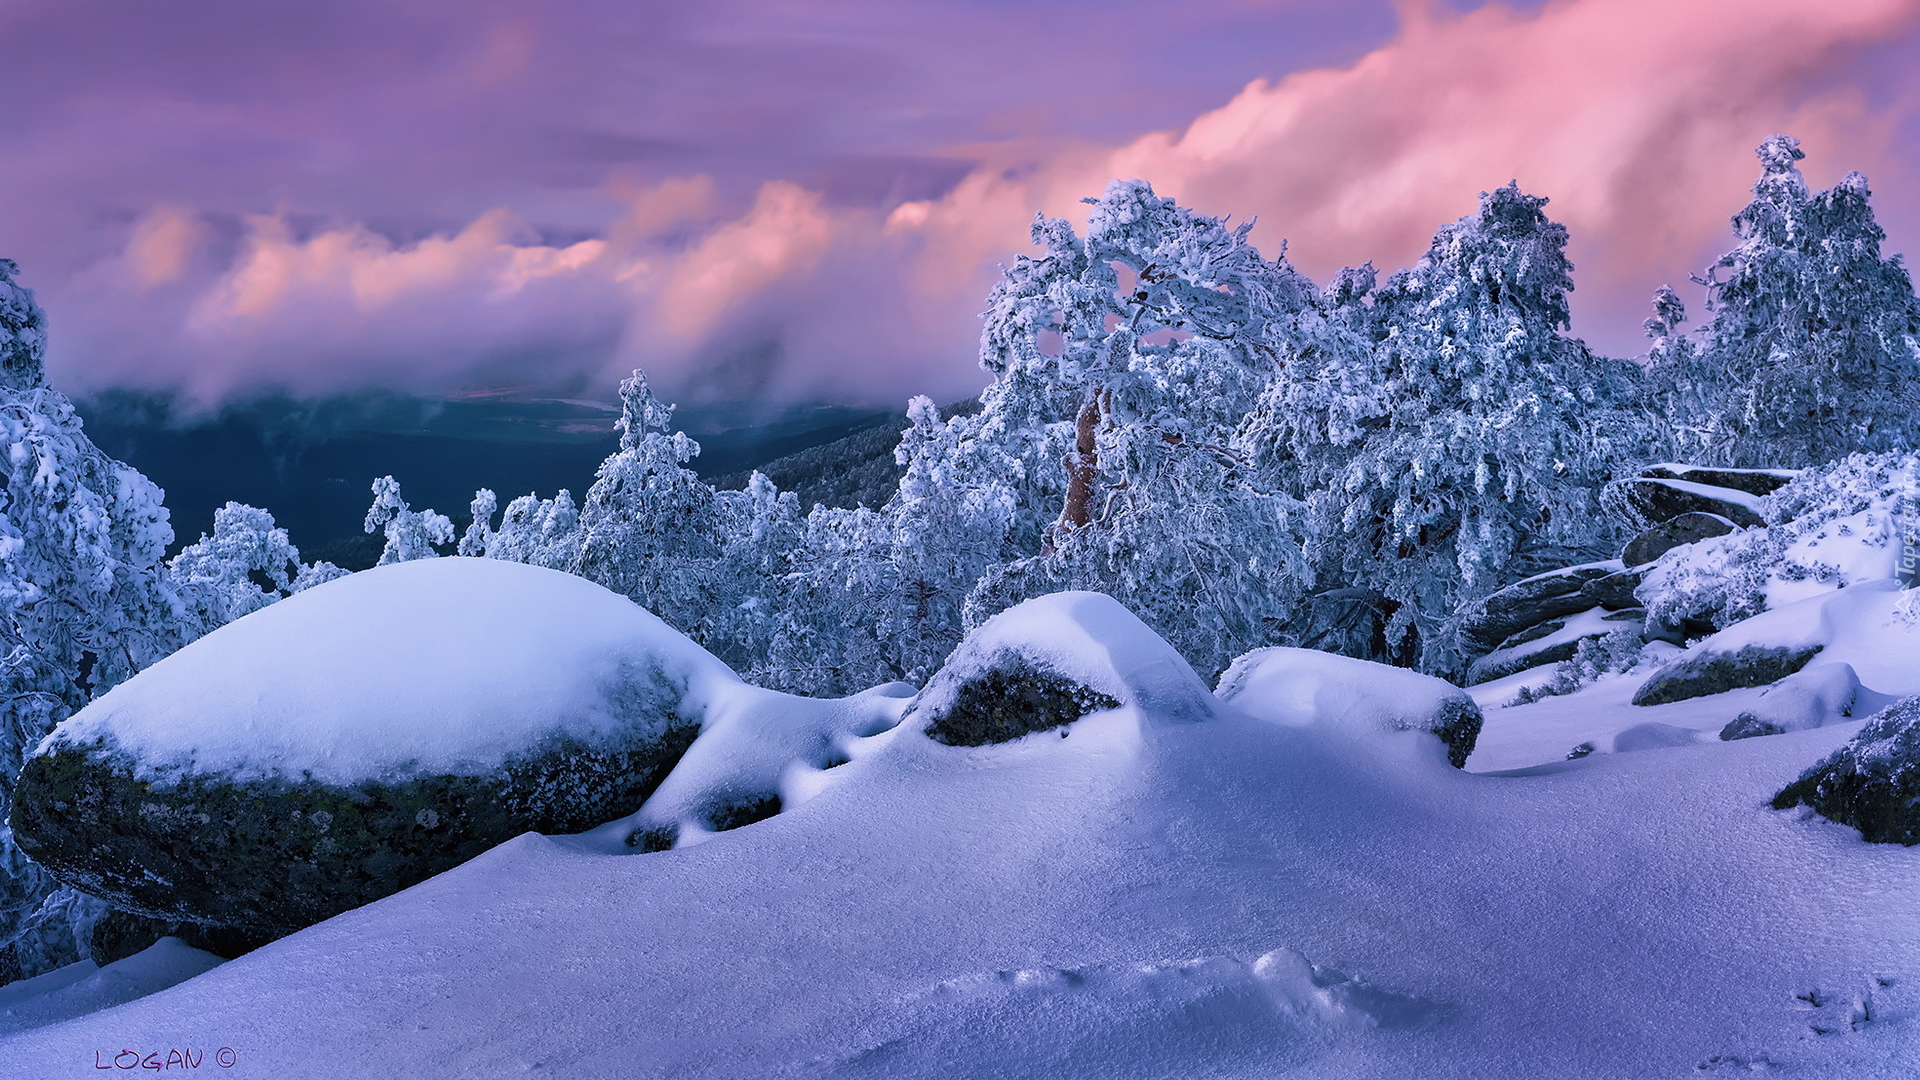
x=649, y=525
x=1130, y=357
x=84, y=603
x=1810, y=352
x=245, y=564
x=411, y=534
x=1450, y=437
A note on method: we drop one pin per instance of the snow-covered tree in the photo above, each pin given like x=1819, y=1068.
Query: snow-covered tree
x=411, y=534
x=1810, y=352
x=84, y=603
x=649, y=525
x=1448, y=435
x=1130, y=356
x=245, y=564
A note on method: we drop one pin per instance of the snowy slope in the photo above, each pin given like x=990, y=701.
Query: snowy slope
x=1225, y=898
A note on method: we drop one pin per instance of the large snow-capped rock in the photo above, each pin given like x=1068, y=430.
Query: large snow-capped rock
x=362, y=736
x=1047, y=662
x=1873, y=782
x=1306, y=687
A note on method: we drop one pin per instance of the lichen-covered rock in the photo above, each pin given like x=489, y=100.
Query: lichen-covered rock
x=1715, y=671
x=1042, y=664
x=1873, y=782
x=1304, y=687
x=1688, y=528
x=361, y=737
x=1530, y=602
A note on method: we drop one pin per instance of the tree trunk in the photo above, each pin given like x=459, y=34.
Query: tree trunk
x=1082, y=465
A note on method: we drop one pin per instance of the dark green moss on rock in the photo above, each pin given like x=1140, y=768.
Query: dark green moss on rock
x=1010, y=699
x=1717, y=671
x=1872, y=783
x=273, y=856
x=1458, y=726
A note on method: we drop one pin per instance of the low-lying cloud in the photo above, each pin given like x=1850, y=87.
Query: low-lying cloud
x=1637, y=117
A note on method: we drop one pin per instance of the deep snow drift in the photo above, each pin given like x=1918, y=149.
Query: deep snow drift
x=1150, y=897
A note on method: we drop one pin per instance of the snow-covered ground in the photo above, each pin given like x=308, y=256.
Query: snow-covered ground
x=1233, y=897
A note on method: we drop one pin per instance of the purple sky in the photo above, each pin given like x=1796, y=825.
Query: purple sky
x=752, y=198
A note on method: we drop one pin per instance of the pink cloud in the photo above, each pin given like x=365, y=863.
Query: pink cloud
x=1637, y=117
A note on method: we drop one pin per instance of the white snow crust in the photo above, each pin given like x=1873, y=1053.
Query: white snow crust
x=432, y=666
x=1305, y=686
x=1087, y=637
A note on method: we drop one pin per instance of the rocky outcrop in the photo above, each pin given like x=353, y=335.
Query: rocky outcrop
x=1873, y=782
x=313, y=756
x=1688, y=528
x=1749, y=481
x=1550, y=643
x=1657, y=500
x=1715, y=671
x=1532, y=601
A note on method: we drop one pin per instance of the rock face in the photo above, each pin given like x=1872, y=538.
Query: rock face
x=1550, y=643
x=360, y=737
x=1750, y=481
x=1305, y=687
x=1873, y=782
x=1717, y=671
x=1531, y=602
x=1614, y=591
x=1660, y=500
x=1045, y=663
x=1688, y=528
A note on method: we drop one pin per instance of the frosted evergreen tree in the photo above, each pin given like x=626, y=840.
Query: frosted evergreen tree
x=761, y=533
x=479, y=532
x=1452, y=437
x=1130, y=356
x=84, y=604
x=245, y=564
x=649, y=525
x=541, y=532
x=1810, y=353
x=411, y=534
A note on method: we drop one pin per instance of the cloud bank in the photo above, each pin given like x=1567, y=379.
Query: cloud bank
x=752, y=278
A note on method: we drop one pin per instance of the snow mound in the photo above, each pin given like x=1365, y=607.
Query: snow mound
x=1815, y=695
x=759, y=752
x=1303, y=687
x=1873, y=782
x=432, y=666
x=1087, y=640
x=85, y=987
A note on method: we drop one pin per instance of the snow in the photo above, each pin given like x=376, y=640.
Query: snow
x=756, y=742
x=1228, y=898
x=1682, y=469
x=1858, y=547
x=1304, y=686
x=1871, y=625
x=1087, y=637
x=85, y=987
x=1592, y=622
x=1817, y=694
x=1744, y=499
x=438, y=665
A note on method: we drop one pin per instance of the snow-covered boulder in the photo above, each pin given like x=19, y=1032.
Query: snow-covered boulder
x=1873, y=782
x=1753, y=652
x=1305, y=687
x=362, y=736
x=1047, y=662
x=1748, y=481
x=1811, y=697
x=1688, y=528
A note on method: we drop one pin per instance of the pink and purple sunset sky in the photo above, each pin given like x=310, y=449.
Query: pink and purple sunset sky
x=808, y=200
